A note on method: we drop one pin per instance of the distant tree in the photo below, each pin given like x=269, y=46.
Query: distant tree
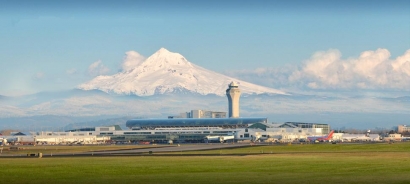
x=406, y=134
x=378, y=131
x=392, y=132
x=353, y=131
x=7, y=132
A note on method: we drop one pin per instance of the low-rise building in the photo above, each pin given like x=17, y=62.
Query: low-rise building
x=393, y=137
x=403, y=128
x=82, y=137
x=200, y=114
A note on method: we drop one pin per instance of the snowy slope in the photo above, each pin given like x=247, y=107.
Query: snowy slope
x=167, y=72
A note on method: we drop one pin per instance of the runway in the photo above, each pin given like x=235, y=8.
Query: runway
x=154, y=149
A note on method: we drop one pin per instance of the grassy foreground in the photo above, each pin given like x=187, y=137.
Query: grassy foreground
x=286, y=164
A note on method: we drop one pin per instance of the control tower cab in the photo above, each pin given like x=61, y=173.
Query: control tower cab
x=233, y=93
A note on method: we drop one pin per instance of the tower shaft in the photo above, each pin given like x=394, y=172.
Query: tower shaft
x=233, y=93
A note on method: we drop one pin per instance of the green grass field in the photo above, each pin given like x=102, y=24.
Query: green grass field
x=318, y=163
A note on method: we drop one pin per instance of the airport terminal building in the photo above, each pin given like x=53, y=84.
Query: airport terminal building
x=188, y=130
x=184, y=129
x=200, y=127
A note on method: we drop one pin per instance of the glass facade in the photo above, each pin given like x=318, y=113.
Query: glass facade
x=325, y=127
x=193, y=122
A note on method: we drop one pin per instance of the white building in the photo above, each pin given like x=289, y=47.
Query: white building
x=233, y=93
x=403, y=128
x=207, y=114
x=393, y=137
x=200, y=114
x=83, y=137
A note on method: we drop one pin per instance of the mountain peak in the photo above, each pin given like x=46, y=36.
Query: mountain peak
x=163, y=50
x=169, y=72
x=164, y=58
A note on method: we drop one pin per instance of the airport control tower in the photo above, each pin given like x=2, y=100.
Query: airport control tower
x=233, y=93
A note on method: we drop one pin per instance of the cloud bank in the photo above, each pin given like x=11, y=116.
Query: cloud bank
x=327, y=70
x=131, y=60
x=97, y=68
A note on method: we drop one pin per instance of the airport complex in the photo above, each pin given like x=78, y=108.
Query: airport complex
x=195, y=127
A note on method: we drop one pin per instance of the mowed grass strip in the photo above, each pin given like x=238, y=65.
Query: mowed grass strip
x=305, y=148
x=290, y=166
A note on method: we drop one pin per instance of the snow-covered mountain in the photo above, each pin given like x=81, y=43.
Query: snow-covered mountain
x=168, y=72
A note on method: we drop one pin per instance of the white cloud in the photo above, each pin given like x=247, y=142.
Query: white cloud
x=272, y=77
x=131, y=60
x=371, y=70
x=312, y=85
x=327, y=70
x=97, y=68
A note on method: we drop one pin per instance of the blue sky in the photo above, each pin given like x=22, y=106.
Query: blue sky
x=49, y=45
